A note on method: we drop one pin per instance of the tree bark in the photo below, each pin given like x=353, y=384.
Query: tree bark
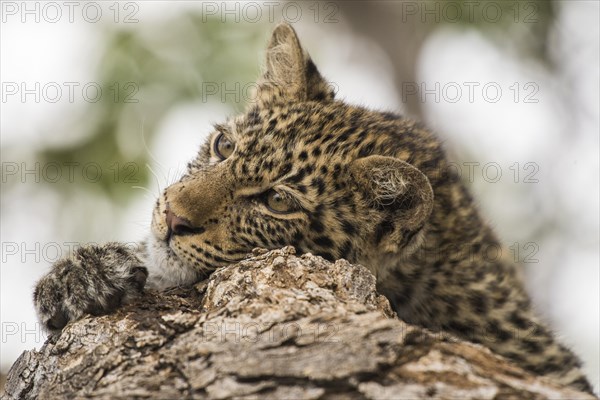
x=271, y=327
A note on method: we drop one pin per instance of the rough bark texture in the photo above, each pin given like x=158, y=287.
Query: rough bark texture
x=274, y=326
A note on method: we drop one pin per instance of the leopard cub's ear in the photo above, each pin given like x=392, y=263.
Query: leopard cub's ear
x=401, y=192
x=290, y=73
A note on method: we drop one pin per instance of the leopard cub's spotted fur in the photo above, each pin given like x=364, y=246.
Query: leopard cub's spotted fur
x=301, y=168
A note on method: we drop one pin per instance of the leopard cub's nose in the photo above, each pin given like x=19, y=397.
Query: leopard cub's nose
x=178, y=225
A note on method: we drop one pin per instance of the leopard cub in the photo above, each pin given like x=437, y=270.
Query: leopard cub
x=305, y=169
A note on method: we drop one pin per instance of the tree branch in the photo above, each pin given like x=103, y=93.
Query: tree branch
x=273, y=326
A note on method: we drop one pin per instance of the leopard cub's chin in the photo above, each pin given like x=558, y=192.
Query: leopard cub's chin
x=165, y=269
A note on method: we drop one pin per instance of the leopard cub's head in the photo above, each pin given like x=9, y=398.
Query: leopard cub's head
x=298, y=168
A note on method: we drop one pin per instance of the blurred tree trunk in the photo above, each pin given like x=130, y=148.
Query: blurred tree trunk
x=401, y=27
x=274, y=326
x=399, y=35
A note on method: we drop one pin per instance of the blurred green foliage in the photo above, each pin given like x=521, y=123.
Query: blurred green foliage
x=143, y=73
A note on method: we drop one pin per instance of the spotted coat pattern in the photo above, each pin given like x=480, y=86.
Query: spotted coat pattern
x=371, y=187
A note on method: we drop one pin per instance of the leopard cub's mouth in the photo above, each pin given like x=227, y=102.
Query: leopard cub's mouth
x=180, y=254
x=165, y=264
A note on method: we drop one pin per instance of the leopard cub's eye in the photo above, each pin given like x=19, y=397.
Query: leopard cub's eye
x=278, y=203
x=223, y=147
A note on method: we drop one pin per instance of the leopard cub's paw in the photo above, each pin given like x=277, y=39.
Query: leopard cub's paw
x=95, y=280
